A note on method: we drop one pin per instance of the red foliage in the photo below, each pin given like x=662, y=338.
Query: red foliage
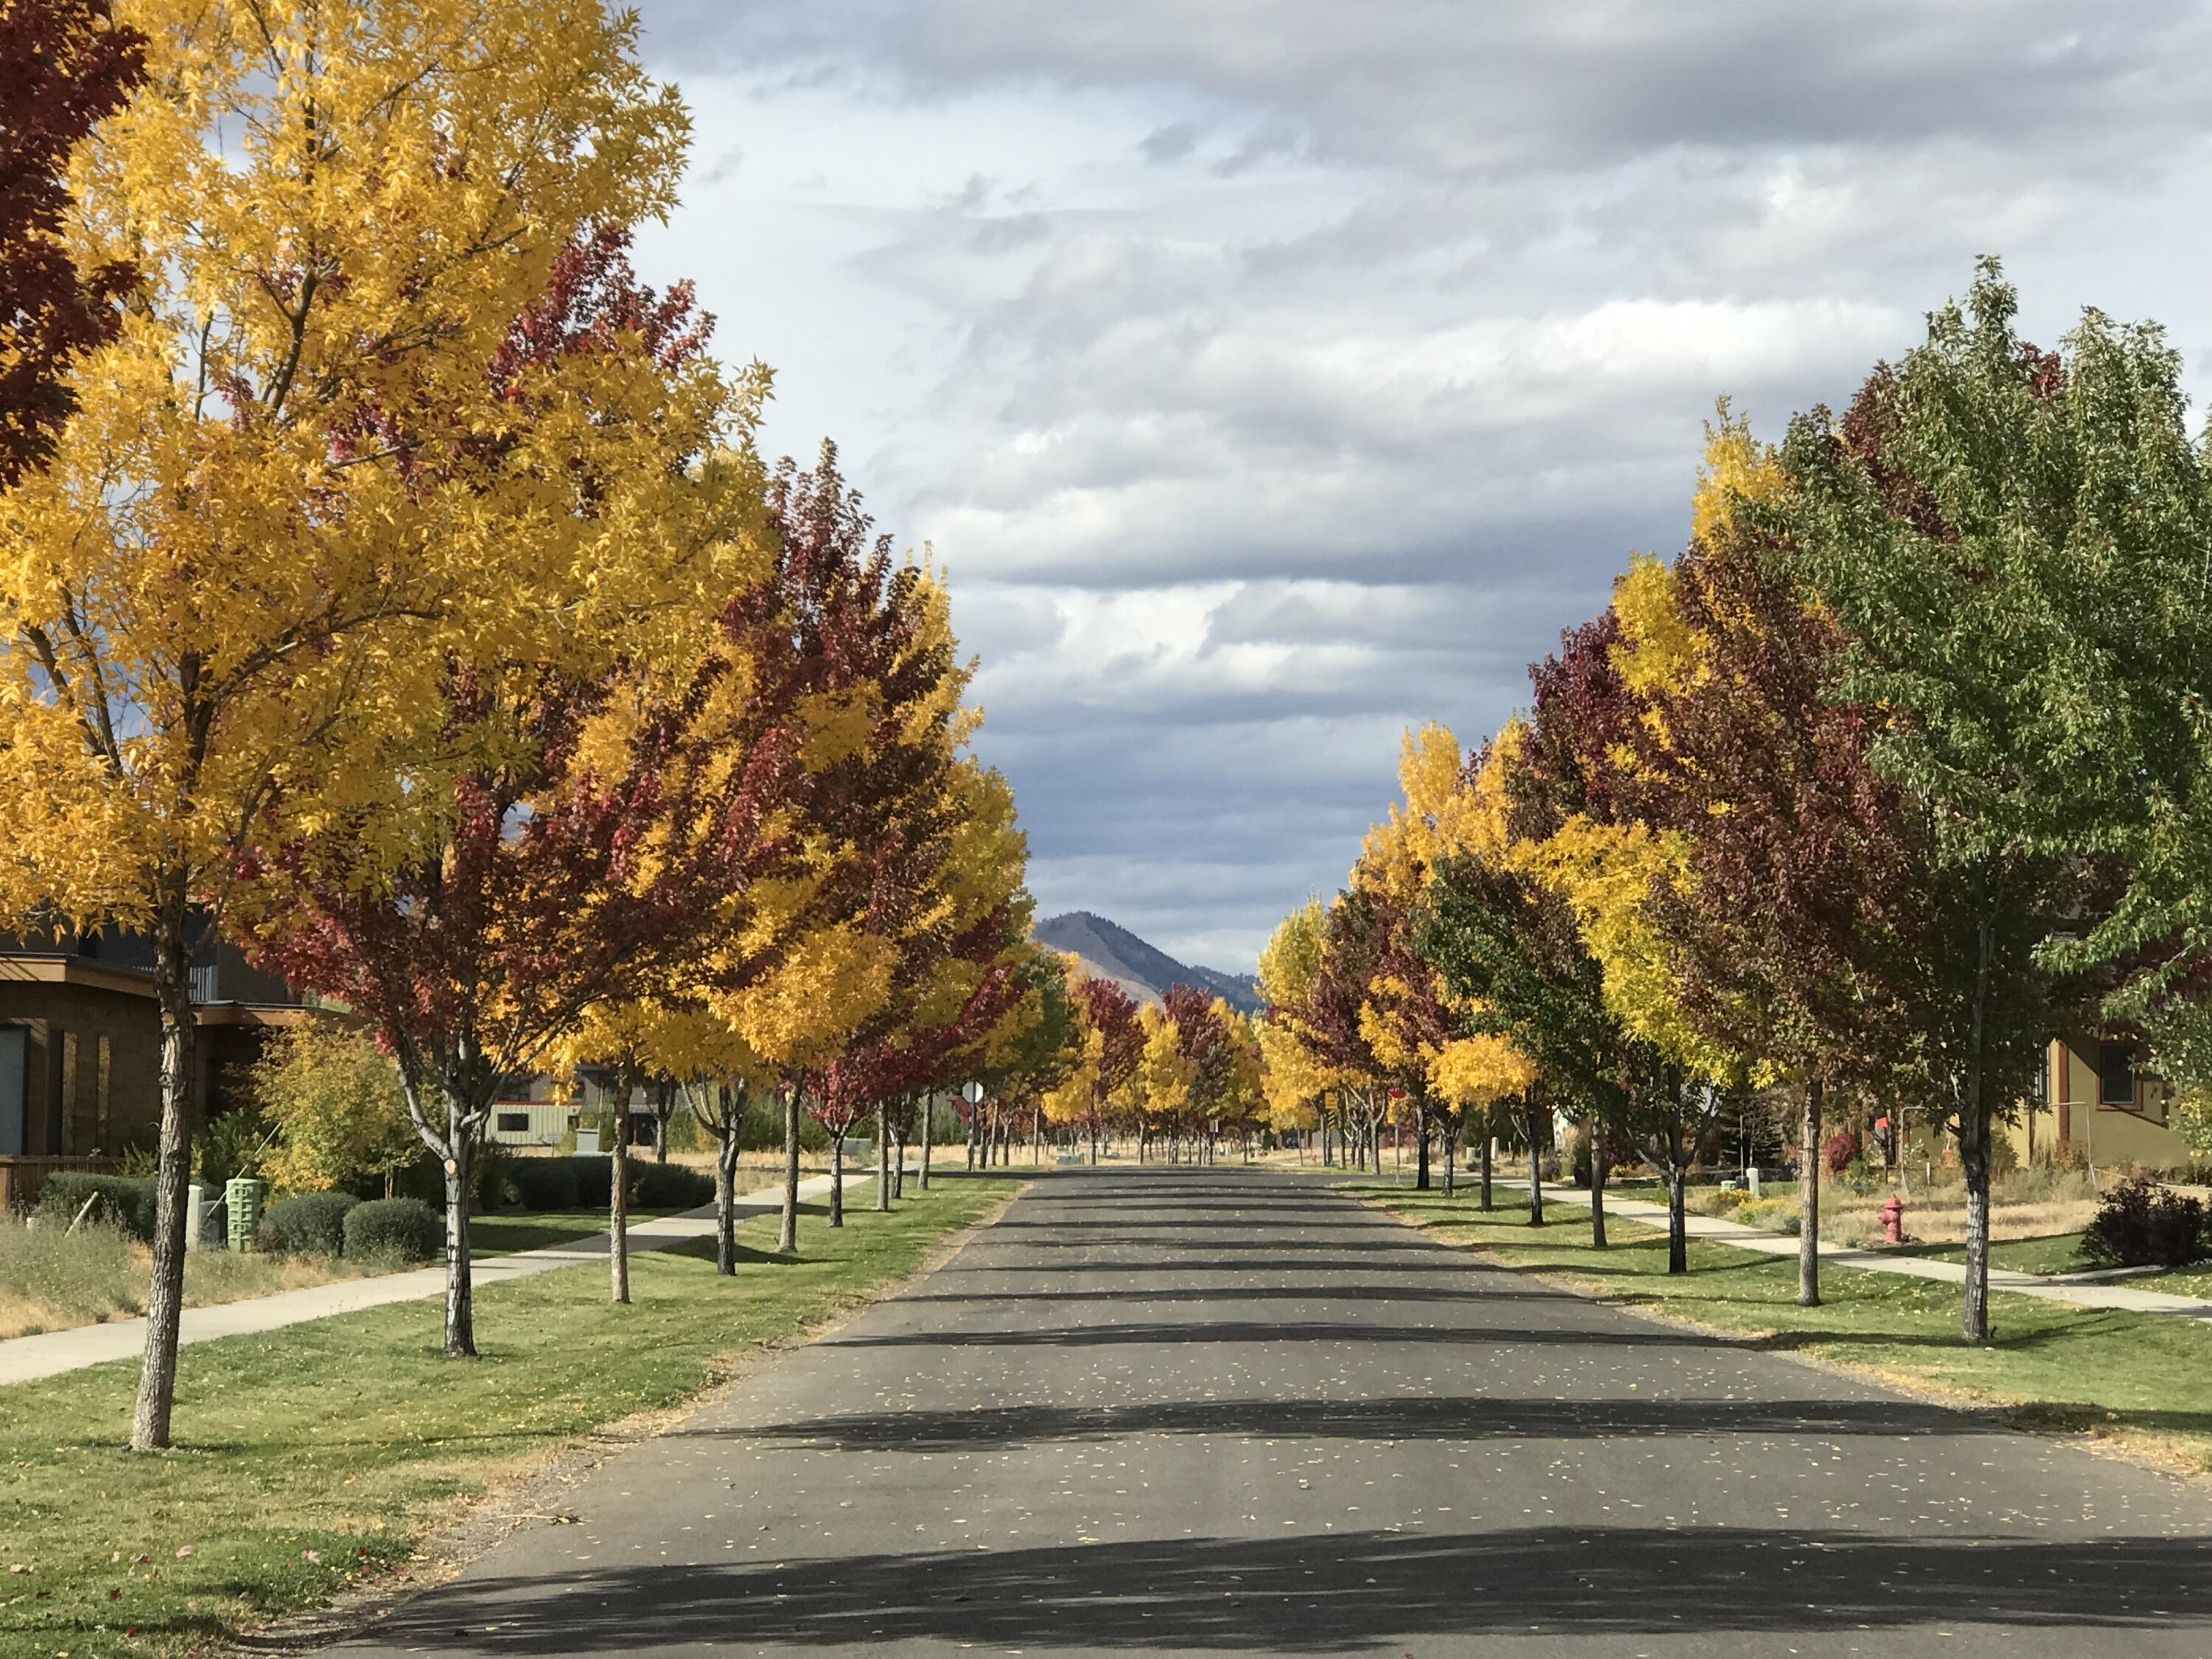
x=1837, y=1152
x=63, y=65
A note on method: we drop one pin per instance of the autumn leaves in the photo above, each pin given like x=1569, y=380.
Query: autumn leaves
x=402, y=597
x=1897, y=767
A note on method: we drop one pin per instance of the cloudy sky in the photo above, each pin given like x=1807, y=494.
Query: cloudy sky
x=1273, y=374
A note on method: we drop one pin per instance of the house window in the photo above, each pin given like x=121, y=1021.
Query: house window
x=2116, y=1075
x=511, y=1123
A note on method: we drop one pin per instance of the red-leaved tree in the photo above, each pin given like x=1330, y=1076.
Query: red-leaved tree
x=63, y=65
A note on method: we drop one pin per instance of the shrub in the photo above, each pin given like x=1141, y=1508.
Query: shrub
x=229, y=1145
x=335, y=1105
x=545, y=1183
x=670, y=1187
x=313, y=1223
x=1839, y=1151
x=2140, y=1224
x=120, y=1202
x=394, y=1229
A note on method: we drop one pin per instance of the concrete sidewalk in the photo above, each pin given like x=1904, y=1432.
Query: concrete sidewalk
x=2124, y=1298
x=50, y=1353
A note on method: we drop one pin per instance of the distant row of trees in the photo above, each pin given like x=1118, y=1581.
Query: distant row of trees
x=1897, y=767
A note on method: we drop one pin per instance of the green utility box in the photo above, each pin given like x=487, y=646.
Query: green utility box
x=241, y=1203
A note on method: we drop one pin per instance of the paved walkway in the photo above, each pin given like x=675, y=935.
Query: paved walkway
x=25, y=1359
x=2079, y=1292
x=1230, y=1412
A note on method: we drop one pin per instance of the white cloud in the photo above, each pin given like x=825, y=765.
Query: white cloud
x=1274, y=373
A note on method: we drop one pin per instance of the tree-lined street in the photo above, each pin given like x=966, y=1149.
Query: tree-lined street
x=1206, y=1410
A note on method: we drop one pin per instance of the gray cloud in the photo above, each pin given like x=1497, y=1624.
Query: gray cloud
x=1273, y=374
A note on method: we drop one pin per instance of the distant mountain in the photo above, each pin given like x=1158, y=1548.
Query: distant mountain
x=1144, y=970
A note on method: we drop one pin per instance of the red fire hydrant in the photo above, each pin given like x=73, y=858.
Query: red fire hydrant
x=1893, y=1220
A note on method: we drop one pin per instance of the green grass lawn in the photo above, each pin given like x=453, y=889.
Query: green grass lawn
x=501, y=1234
x=2058, y=1253
x=312, y=1455
x=2145, y=1378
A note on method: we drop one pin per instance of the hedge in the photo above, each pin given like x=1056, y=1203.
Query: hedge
x=545, y=1183
x=394, y=1229
x=313, y=1223
x=123, y=1202
x=670, y=1187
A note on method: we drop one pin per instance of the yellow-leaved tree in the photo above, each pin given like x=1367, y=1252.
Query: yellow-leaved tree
x=251, y=554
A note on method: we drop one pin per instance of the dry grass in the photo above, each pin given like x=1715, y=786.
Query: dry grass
x=2023, y=1204
x=52, y=1279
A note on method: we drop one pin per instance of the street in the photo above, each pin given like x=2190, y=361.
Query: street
x=1208, y=1410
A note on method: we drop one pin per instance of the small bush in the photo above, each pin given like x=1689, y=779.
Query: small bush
x=670, y=1187
x=313, y=1223
x=545, y=1183
x=2140, y=1224
x=1838, y=1151
x=120, y=1202
x=394, y=1229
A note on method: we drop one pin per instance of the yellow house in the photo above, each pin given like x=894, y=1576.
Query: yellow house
x=2096, y=1099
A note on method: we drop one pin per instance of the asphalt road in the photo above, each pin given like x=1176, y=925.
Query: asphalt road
x=1211, y=1411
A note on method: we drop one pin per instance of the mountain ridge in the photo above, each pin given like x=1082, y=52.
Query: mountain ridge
x=1138, y=966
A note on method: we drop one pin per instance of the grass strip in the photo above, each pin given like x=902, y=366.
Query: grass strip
x=507, y=1230
x=2144, y=1380
x=314, y=1455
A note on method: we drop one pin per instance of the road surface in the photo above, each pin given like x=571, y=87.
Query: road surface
x=1225, y=1412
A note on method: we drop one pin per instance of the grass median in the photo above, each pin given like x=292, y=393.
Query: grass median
x=2142, y=1379
x=316, y=1456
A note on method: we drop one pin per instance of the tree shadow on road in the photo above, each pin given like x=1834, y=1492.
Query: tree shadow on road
x=1205, y=1333
x=1324, y=1593
x=1471, y=1416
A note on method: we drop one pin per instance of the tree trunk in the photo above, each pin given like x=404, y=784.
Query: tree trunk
x=1599, y=1171
x=460, y=1284
x=1535, y=1173
x=786, y=1243
x=1451, y=1138
x=618, y=1196
x=726, y=1199
x=837, y=1178
x=663, y=1113
x=1677, y=1234
x=1421, y=1158
x=165, y=1295
x=1487, y=1140
x=1808, y=1199
x=928, y=1108
x=899, y=1128
x=882, y=1157
x=1974, y=1152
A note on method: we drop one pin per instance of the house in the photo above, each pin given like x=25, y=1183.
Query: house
x=80, y=1039
x=540, y=1110
x=2096, y=1099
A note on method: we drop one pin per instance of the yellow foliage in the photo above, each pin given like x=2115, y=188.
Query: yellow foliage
x=1478, y=1071
x=800, y=1012
x=1398, y=854
x=1658, y=649
x=1607, y=873
x=1291, y=961
x=226, y=597
x=1161, y=1084
x=1737, y=468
